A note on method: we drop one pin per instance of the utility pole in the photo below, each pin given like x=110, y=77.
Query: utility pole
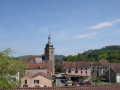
x=109, y=75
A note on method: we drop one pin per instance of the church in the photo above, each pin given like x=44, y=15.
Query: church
x=40, y=69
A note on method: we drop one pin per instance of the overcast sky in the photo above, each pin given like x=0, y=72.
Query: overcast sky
x=76, y=25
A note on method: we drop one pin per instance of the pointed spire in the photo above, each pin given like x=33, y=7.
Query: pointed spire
x=49, y=31
x=49, y=37
x=49, y=44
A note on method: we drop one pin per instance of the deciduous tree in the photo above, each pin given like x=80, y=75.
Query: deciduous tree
x=9, y=67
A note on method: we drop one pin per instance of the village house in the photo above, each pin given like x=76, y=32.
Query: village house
x=113, y=74
x=77, y=70
x=81, y=70
x=38, y=80
x=39, y=68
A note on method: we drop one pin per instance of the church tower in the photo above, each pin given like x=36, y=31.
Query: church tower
x=49, y=54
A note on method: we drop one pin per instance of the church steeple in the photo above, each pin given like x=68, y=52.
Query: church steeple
x=49, y=38
x=49, y=54
x=49, y=44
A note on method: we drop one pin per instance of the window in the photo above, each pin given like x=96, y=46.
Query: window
x=25, y=85
x=81, y=71
x=76, y=71
x=25, y=81
x=85, y=71
x=103, y=71
x=69, y=71
x=36, y=81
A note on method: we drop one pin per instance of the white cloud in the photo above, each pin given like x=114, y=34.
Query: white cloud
x=104, y=24
x=85, y=35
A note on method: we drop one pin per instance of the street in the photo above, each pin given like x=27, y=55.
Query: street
x=60, y=81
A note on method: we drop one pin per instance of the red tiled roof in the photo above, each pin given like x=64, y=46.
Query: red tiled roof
x=116, y=67
x=26, y=60
x=43, y=65
x=88, y=87
x=78, y=64
x=40, y=73
x=94, y=63
x=105, y=63
x=33, y=66
x=38, y=65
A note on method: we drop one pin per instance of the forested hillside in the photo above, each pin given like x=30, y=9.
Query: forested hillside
x=57, y=57
x=111, y=53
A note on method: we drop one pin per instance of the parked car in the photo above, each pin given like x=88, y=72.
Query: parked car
x=65, y=81
x=68, y=83
x=63, y=76
x=87, y=83
x=84, y=83
x=81, y=83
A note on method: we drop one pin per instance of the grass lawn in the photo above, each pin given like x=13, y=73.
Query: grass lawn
x=102, y=83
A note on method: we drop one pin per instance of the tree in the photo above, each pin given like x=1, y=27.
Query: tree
x=81, y=57
x=9, y=66
x=70, y=58
x=59, y=67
